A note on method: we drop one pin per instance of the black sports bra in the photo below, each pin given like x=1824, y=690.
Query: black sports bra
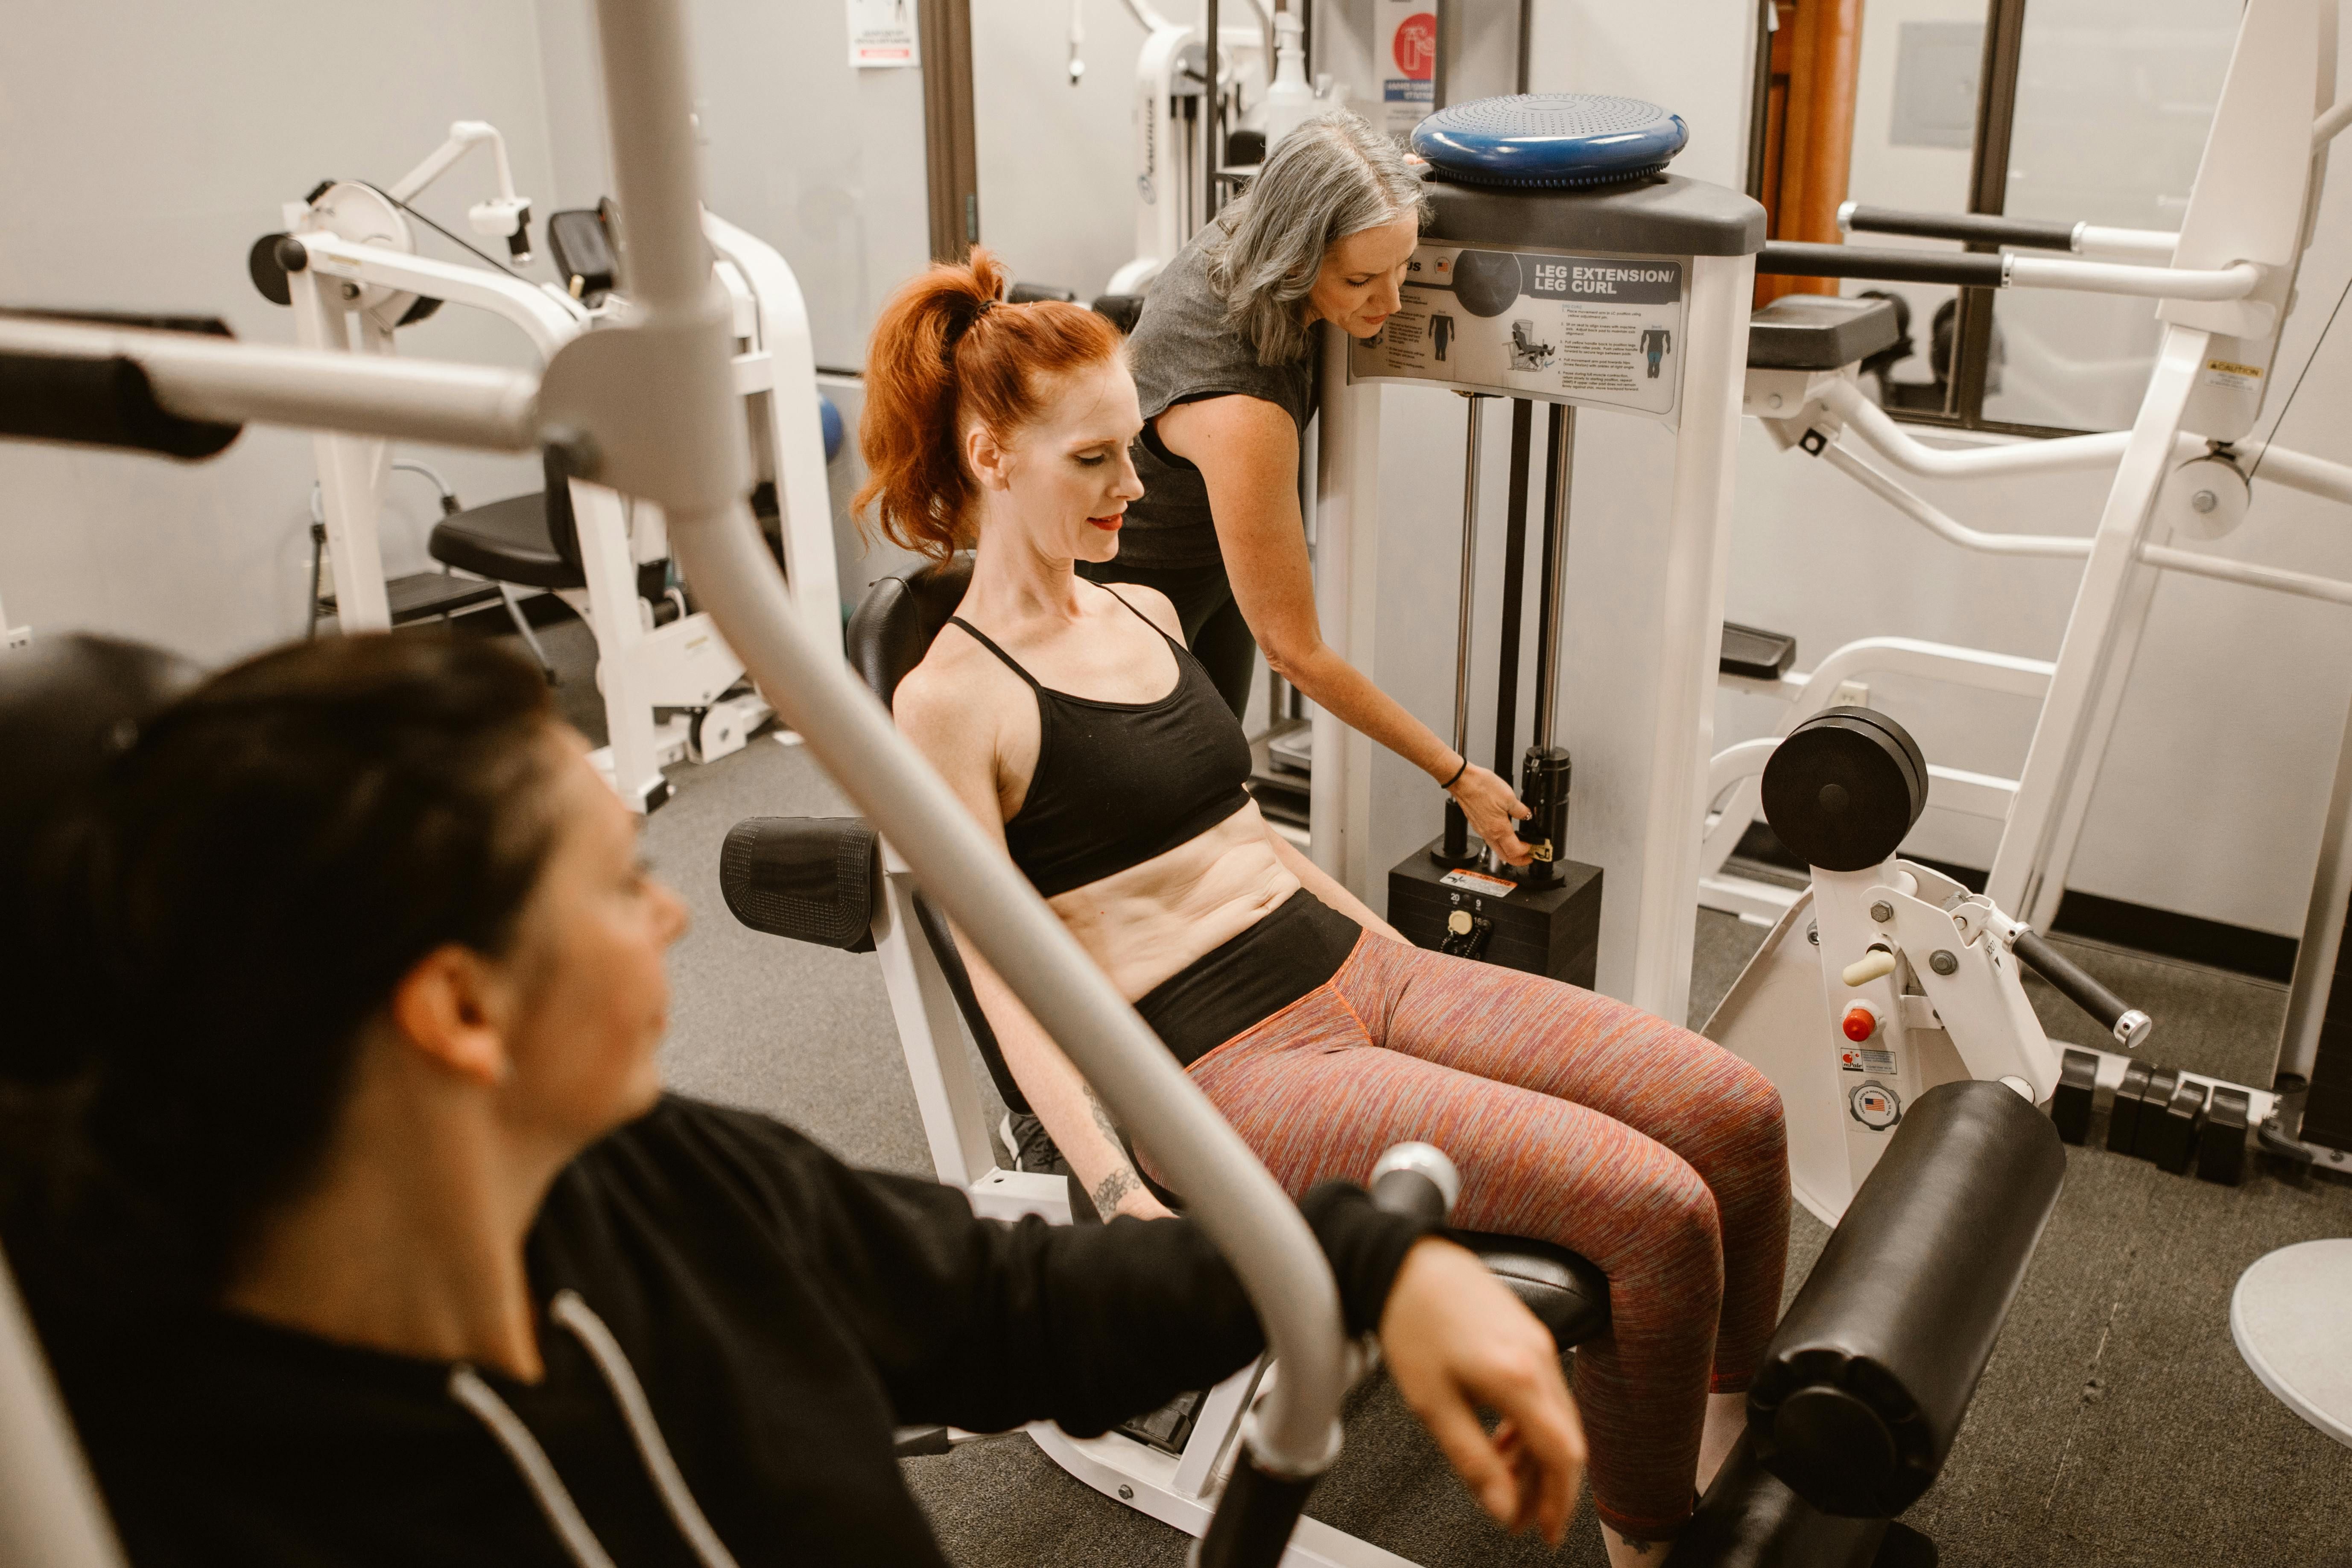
x=1119, y=783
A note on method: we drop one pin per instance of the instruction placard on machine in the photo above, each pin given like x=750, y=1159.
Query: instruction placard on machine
x=1603, y=330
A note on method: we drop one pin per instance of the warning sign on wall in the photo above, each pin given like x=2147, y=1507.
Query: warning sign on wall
x=1406, y=59
x=882, y=34
x=1569, y=329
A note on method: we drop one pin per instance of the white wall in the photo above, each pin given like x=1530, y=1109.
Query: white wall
x=1056, y=161
x=147, y=146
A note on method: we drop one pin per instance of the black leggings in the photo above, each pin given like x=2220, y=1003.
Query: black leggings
x=1213, y=627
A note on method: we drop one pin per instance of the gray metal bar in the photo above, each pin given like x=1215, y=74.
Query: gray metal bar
x=1554, y=571
x=1477, y=424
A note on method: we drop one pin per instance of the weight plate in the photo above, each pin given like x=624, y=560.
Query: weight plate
x=1845, y=787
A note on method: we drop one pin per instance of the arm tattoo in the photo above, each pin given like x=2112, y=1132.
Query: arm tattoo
x=1112, y=1188
x=1102, y=1119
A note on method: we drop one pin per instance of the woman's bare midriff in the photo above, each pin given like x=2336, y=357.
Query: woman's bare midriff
x=1145, y=924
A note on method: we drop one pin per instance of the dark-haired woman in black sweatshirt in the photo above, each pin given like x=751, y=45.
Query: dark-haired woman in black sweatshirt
x=359, y=1231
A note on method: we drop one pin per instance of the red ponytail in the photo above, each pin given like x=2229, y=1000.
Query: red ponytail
x=946, y=350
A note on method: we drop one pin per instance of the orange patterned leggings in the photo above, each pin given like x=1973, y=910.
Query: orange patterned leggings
x=1574, y=1118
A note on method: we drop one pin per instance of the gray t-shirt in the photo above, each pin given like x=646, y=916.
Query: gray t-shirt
x=1183, y=351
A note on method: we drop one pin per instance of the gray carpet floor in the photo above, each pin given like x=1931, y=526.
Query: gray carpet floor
x=2115, y=1426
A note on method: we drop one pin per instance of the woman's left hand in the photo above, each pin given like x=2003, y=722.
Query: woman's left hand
x=1493, y=807
x=1455, y=1339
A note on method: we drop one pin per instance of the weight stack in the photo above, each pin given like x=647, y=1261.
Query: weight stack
x=1553, y=931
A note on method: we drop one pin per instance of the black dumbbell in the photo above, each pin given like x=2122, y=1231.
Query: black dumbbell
x=2222, y=1145
x=2123, y=1116
x=2176, y=1127
x=2070, y=1103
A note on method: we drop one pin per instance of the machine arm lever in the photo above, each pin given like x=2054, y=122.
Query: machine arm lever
x=2126, y=1023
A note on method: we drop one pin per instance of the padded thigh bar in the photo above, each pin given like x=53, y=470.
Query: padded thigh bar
x=1862, y=1389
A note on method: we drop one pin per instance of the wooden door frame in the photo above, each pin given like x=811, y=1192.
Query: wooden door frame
x=950, y=144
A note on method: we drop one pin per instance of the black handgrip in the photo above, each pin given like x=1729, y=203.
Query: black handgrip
x=98, y=403
x=1790, y=258
x=1978, y=227
x=2126, y=1023
x=1252, y=1526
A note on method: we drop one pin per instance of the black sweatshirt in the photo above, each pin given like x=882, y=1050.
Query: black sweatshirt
x=783, y=1313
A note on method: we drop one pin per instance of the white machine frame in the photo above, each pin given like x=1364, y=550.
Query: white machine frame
x=1645, y=844
x=2222, y=284
x=361, y=277
x=1170, y=172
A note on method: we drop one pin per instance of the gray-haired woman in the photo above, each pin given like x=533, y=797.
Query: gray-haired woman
x=1223, y=360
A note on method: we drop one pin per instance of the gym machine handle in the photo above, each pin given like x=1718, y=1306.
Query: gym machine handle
x=2126, y=1023
x=102, y=402
x=1973, y=227
x=1789, y=259
x=1252, y=1526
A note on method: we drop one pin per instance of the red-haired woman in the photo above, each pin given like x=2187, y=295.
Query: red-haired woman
x=1071, y=719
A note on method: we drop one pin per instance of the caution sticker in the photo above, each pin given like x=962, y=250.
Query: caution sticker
x=2235, y=376
x=1479, y=882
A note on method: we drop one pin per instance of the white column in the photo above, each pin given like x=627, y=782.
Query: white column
x=350, y=469
x=1347, y=602
x=1688, y=640
x=2102, y=632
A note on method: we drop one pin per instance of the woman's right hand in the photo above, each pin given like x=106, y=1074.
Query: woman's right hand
x=1456, y=1339
x=1493, y=808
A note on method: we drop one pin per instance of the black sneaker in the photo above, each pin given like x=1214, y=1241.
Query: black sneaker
x=1032, y=1147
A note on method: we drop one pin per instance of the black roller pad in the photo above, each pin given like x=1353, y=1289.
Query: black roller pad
x=1843, y=787
x=1863, y=1388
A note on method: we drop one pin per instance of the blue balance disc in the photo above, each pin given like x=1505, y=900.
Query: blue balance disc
x=1549, y=139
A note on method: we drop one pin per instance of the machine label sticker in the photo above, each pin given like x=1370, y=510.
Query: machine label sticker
x=1601, y=330
x=1479, y=882
x=2236, y=377
x=1861, y=1058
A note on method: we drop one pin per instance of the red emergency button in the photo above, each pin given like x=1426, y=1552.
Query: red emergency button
x=1860, y=1022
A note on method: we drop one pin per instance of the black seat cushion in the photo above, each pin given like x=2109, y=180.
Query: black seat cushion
x=1565, y=1291
x=894, y=624
x=1819, y=332
x=508, y=541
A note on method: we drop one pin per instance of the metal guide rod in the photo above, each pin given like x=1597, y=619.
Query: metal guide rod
x=1562, y=449
x=1515, y=570
x=1295, y=1431
x=2007, y=269
x=1211, y=154
x=1475, y=429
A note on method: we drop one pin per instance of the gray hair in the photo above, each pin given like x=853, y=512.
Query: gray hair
x=1333, y=176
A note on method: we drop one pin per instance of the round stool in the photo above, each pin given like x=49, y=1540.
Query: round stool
x=2290, y=1320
